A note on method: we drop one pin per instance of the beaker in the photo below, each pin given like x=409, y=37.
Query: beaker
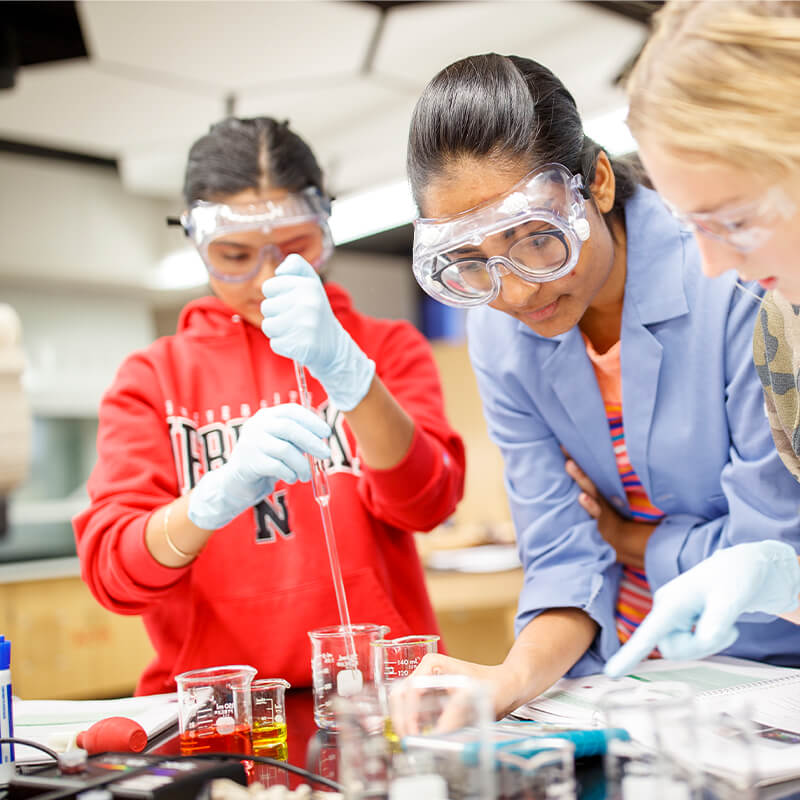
x=214, y=710
x=443, y=723
x=269, y=717
x=329, y=657
x=393, y=659
x=365, y=754
x=547, y=773
x=659, y=761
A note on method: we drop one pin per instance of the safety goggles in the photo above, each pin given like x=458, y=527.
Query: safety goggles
x=539, y=226
x=230, y=238
x=745, y=228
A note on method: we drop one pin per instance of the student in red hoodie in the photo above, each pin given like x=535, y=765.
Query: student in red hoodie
x=202, y=519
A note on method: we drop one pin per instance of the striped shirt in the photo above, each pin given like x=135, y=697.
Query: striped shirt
x=634, y=599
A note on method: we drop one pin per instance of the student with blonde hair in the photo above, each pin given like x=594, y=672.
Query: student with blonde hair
x=713, y=106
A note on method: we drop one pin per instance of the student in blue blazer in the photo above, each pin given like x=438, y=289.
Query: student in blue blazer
x=603, y=354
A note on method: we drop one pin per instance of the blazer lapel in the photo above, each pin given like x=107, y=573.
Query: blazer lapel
x=575, y=385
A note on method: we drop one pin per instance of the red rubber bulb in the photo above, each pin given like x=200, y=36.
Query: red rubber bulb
x=119, y=734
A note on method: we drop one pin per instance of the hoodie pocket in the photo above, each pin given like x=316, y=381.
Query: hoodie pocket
x=269, y=630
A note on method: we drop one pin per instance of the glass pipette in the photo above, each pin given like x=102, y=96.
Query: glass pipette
x=348, y=681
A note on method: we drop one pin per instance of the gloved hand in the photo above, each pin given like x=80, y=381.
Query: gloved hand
x=755, y=576
x=301, y=325
x=272, y=446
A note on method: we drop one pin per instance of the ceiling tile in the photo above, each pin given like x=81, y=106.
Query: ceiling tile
x=327, y=109
x=76, y=106
x=231, y=45
x=570, y=38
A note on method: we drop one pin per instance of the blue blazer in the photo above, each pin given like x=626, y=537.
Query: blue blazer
x=695, y=429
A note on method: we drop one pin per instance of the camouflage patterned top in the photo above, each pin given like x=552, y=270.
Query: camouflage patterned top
x=776, y=353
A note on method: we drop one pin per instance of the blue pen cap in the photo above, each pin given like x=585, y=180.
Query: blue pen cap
x=5, y=653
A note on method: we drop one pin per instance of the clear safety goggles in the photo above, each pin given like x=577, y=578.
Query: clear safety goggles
x=539, y=226
x=230, y=238
x=746, y=227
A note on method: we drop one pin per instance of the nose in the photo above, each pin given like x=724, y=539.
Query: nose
x=270, y=261
x=717, y=257
x=517, y=292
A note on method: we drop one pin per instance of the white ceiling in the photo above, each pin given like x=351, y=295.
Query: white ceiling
x=345, y=74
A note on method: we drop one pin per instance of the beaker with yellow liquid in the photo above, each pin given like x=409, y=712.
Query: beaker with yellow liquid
x=269, y=733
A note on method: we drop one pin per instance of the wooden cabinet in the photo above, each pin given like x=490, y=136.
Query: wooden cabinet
x=476, y=612
x=65, y=645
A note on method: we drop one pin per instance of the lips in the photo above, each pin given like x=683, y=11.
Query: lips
x=543, y=312
x=768, y=283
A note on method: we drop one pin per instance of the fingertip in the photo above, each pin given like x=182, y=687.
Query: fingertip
x=615, y=667
x=293, y=264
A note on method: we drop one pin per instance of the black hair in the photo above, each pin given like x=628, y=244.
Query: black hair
x=256, y=153
x=508, y=109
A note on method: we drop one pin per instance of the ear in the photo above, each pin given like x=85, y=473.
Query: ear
x=604, y=184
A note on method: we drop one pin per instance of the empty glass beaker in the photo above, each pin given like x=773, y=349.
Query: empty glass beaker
x=269, y=717
x=330, y=656
x=659, y=761
x=545, y=772
x=393, y=659
x=214, y=710
x=443, y=724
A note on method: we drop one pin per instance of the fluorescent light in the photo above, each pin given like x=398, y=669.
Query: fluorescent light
x=180, y=269
x=610, y=131
x=361, y=214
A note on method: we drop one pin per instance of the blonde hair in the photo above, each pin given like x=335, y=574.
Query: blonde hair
x=722, y=80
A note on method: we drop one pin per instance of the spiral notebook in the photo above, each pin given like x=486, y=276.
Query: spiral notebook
x=770, y=695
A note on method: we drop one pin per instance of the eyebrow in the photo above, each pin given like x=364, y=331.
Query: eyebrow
x=467, y=251
x=229, y=243
x=734, y=203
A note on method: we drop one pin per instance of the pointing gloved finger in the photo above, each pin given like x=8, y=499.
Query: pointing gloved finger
x=655, y=626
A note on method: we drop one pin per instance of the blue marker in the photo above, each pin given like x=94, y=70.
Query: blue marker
x=588, y=741
x=519, y=738
x=6, y=712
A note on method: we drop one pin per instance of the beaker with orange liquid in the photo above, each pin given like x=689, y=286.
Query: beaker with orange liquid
x=214, y=710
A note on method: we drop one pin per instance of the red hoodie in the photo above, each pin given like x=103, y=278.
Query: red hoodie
x=261, y=582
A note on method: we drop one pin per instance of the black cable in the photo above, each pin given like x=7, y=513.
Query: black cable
x=29, y=743
x=274, y=762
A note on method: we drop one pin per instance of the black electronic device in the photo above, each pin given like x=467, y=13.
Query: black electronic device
x=128, y=776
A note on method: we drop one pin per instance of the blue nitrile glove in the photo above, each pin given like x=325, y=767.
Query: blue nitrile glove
x=755, y=576
x=272, y=447
x=301, y=325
